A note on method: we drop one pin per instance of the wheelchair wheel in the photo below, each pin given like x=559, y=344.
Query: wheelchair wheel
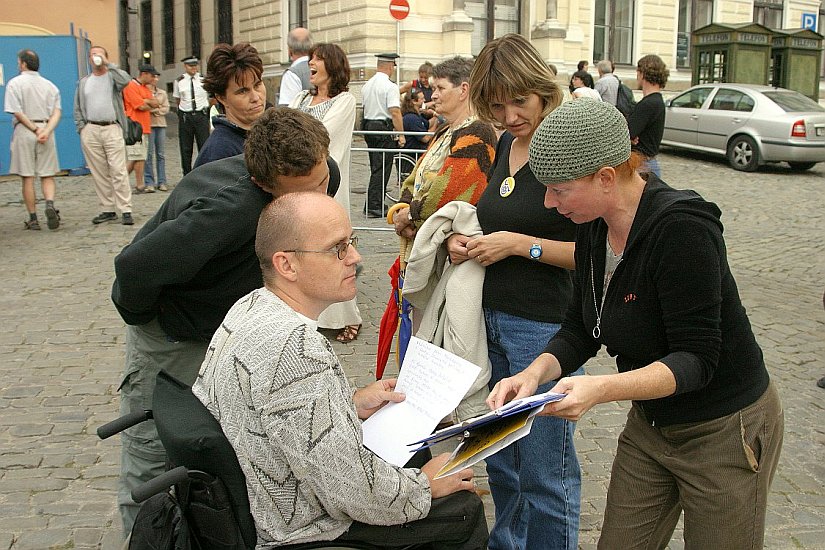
x=402, y=165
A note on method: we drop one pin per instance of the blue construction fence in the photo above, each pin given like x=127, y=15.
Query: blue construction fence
x=63, y=60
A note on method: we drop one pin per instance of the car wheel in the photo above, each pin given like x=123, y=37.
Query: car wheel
x=743, y=154
x=801, y=166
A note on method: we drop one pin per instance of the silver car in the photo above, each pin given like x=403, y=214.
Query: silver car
x=751, y=125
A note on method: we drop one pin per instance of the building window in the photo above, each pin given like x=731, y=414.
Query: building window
x=613, y=31
x=768, y=13
x=195, y=27
x=492, y=19
x=224, y=11
x=693, y=14
x=298, y=14
x=168, y=21
x=146, y=25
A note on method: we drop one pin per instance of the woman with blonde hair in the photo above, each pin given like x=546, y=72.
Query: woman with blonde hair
x=527, y=251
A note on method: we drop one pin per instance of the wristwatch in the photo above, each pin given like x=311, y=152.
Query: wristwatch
x=535, y=251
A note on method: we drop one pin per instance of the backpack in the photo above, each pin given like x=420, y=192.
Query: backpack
x=625, y=102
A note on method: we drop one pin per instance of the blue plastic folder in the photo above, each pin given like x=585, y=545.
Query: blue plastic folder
x=487, y=434
x=512, y=408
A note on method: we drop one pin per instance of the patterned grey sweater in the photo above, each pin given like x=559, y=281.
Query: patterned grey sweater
x=281, y=397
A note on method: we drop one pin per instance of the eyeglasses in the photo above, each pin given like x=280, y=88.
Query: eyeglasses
x=339, y=249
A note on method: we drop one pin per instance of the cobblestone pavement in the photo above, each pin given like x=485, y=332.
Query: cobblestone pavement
x=62, y=350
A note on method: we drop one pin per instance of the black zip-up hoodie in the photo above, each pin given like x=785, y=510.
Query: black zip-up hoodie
x=196, y=257
x=672, y=299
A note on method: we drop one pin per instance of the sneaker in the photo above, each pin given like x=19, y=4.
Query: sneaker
x=52, y=217
x=34, y=225
x=127, y=219
x=104, y=217
x=163, y=187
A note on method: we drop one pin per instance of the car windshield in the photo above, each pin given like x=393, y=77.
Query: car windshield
x=793, y=102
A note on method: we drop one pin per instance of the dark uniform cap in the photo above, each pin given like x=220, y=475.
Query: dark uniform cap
x=387, y=56
x=191, y=60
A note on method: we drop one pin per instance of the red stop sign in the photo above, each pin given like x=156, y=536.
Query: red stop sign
x=399, y=9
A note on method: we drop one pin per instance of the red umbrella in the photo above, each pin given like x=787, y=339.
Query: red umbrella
x=389, y=322
x=396, y=318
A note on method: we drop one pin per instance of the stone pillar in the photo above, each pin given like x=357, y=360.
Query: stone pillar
x=548, y=35
x=458, y=31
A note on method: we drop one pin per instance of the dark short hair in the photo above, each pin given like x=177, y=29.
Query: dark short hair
x=284, y=142
x=456, y=69
x=653, y=70
x=227, y=62
x=29, y=57
x=336, y=64
x=582, y=64
x=586, y=77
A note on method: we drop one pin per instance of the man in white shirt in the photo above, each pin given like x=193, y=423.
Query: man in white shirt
x=283, y=401
x=382, y=112
x=296, y=77
x=608, y=84
x=193, y=111
x=34, y=104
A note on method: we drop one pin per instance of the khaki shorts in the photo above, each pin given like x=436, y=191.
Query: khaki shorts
x=139, y=150
x=29, y=158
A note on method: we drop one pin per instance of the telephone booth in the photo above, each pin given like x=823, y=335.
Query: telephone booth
x=738, y=52
x=795, y=61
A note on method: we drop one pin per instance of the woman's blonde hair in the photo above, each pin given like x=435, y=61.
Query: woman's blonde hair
x=507, y=68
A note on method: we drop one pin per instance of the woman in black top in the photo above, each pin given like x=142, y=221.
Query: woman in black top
x=527, y=251
x=653, y=285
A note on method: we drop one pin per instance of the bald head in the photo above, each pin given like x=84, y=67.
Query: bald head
x=289, y=223
x=299, y=42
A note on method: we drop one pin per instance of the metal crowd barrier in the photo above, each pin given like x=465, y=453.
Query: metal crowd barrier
x=404, y=161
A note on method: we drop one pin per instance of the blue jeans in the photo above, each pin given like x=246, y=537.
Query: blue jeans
x=536, y=481
x=157, y=141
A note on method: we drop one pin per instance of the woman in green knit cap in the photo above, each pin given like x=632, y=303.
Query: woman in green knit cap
x=653, y=285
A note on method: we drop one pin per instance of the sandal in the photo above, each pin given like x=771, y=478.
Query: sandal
x=348, y=333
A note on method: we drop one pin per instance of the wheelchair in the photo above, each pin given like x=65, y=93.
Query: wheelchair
x=201, y=502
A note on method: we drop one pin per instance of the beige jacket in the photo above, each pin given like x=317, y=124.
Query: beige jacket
x=449, y=296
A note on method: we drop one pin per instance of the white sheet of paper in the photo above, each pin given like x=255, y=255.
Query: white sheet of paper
x=434, y=382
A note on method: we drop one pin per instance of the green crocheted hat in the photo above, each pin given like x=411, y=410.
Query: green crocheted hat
x=577, y=139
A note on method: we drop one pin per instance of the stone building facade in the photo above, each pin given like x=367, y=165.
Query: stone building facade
x=564, y=31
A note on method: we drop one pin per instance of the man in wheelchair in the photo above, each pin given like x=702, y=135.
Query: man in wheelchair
x=281, y=397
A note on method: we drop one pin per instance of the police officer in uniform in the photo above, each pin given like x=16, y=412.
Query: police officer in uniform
x=193, y=111
x=382, y=111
